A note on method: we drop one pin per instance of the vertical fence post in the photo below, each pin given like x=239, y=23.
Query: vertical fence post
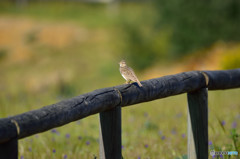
x=9, y=149
x=198, y=124
x=110, y=134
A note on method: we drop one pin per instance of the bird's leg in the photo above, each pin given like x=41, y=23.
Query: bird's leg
x=128, y=81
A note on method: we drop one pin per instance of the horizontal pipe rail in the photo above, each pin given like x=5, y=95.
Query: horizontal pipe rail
x=100, y=100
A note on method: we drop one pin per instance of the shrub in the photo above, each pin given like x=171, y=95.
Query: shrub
x=231, y=59
x=198, y=24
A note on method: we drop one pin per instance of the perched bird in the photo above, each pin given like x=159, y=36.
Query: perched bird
x=128, y=73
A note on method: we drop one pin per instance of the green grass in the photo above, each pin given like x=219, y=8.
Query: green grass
x=91, y=15
x=59, y=11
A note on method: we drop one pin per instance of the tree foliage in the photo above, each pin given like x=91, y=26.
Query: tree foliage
x=198, y=24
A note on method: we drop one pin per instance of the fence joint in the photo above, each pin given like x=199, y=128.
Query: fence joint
x=120, y=95
x=17, y=126
x=206, y=77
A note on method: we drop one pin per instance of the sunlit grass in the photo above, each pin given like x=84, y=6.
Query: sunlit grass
x=86, y=14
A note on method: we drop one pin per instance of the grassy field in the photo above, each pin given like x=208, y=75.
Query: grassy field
x=54, y=51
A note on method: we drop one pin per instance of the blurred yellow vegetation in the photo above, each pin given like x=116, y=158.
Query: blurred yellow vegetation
x=231, y=58
x=211, y=58
x=18, y=33
x=42, y=54
x=218, y=56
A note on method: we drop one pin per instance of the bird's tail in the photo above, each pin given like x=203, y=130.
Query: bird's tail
x=139, y=84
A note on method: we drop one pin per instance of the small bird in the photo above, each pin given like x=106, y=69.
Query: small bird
x=128, y=73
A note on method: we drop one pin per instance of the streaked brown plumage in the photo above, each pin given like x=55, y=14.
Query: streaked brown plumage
x=128, y=73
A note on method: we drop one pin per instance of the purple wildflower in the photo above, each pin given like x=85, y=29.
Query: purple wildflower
x=54, y=131
x=183, y=135
x=223, y=123
x=146, y=145
x=145, y=114
x=67, y=136
x=65, y=156
x=210, y=143
x=221, y=156
x=234, y=125
x=88, y=143
x=173, y=131
x=122, y=147
x=179, y=115
x=159, y=132
x=54, y=150
x=21, y=157
x=139, y=157
x=163, y=137
x=29, y=149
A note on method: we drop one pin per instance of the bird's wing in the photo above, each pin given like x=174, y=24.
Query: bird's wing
x=132, y=75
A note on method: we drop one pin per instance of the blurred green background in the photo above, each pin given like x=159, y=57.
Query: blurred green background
x=50, y=51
